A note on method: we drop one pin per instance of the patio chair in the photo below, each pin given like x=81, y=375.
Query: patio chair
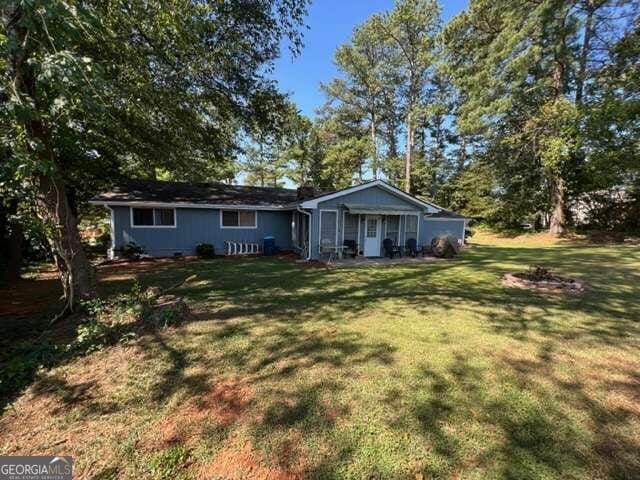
x=391, y=250
x=351, y=248
x=327, y=249
x=413, y=249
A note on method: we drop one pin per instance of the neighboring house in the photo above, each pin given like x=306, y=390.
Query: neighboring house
x=169, y=218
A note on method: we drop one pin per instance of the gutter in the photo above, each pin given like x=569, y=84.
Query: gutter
x=299, y=209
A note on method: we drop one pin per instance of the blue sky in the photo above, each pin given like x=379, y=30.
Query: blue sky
x=330, y=24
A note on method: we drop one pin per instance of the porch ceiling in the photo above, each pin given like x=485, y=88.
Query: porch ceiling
x=356, y=208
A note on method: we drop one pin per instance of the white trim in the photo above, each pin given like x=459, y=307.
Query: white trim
x=320, y=225
x=313, y=203
x=239, y=227
x=379, y=235
x=344, y=214
x=141, y=204
x=308, y=231
x=175, y=217
x=112, y=227
x=358, y=240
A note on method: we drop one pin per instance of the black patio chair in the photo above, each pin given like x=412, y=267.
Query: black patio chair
x=351, y=248
x=413, y=249
x=391, y=250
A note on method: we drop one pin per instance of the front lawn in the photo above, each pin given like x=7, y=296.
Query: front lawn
x=432, y=370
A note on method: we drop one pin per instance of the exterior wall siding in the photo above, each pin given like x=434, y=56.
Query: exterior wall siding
x=193, y=226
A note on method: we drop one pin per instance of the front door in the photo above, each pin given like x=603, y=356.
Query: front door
x=372, y=236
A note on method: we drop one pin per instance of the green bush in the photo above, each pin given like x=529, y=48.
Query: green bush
x=205, y=250
x=444, y=246
x=132, y=250
x=98, y=246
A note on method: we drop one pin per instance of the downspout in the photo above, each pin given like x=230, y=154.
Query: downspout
x=299, y=209
x=112, y=234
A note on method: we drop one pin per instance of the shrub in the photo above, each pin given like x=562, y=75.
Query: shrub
x=131, y=250
x=205, y=250
x=444, y=246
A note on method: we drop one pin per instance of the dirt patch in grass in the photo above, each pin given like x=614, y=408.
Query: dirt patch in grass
x=31, y=296
x=221, y=405
x=40, y=421
x=234, y=462
x=550, y=284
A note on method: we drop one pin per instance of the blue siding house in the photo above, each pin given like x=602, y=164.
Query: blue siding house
x=171, y=218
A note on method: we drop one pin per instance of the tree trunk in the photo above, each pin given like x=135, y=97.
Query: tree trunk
x=374, y=147
x=14, y=250
x=11, y=240
x=462, y=155
x=558, y=193
x=584, y=55
x=557, y=221
x=408, y=155
x=75, y=271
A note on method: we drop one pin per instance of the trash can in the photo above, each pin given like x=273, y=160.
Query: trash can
x=269, y=246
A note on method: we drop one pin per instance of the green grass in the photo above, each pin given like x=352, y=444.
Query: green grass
x=373, y=372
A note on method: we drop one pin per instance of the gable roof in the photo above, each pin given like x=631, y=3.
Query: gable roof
x=313, y=202
x=219, y=195
x=158, y=192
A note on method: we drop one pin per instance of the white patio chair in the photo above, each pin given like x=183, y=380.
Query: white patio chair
x=327, y=248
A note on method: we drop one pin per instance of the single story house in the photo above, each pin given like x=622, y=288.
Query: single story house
x=171, y=218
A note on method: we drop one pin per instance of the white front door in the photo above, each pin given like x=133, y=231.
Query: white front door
x=372, y=236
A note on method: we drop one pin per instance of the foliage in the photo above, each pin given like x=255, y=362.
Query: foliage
x=444, y=246
x=612, y=210
x=516, y=109
x=205, y=250
x=132, y=250
x=385, y=73
x=93, y=91
x=526, y=77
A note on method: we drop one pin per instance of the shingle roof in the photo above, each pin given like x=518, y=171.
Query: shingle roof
x=444, y=214
x=157, y=191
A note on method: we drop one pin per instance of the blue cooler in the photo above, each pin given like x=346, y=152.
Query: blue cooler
x=269, y=246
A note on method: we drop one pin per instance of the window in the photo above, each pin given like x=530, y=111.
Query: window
x=393, y=228
x=238, y=219
x=411, y=228
x=163, y=217
x=153, y=217
x=372, y=227
x=328, y=227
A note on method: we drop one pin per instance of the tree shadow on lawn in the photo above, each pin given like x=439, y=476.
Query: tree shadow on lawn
x=511, y=423
x=607, y=313
x=294, y=309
